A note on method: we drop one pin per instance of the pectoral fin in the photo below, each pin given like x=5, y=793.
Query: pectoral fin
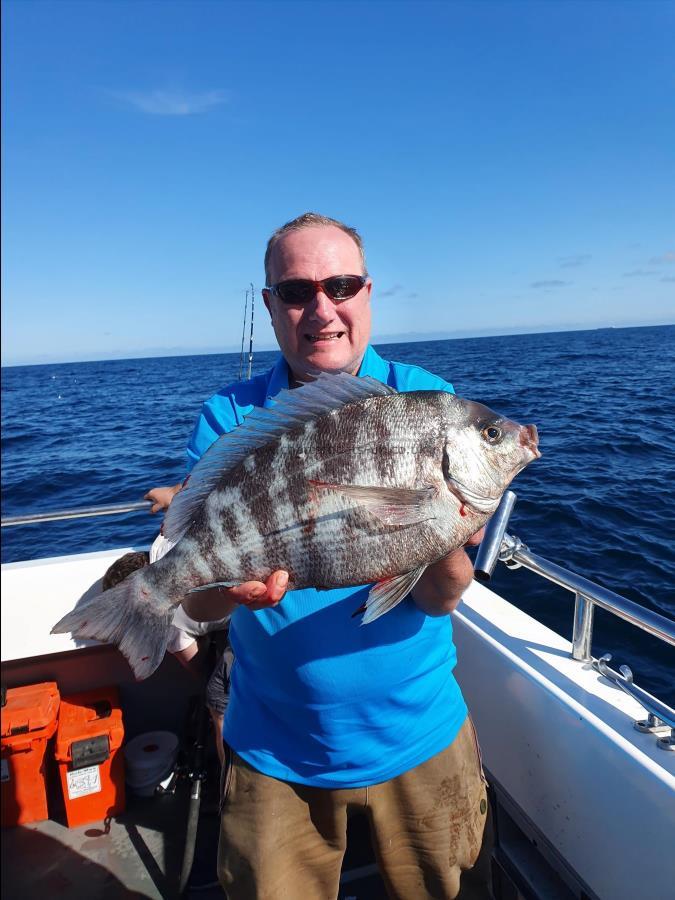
x=392, y=506
x=387, y=594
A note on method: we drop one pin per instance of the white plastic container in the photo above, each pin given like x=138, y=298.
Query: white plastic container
x=150, y=758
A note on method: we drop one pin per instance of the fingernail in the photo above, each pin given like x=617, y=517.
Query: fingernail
x=257, y=592
x=281, y=580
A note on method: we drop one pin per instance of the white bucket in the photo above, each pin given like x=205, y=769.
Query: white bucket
x=150, y=757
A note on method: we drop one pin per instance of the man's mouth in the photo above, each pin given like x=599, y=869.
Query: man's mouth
x=325, y=336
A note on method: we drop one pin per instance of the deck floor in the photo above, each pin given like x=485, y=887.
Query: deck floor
x=140, y=855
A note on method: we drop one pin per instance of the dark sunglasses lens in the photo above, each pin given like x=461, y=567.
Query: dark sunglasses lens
x=296, y=291
x=342, y=287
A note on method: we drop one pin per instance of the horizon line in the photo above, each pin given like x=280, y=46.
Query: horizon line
x=378, y=339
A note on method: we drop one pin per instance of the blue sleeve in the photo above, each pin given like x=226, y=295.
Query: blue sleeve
x=223, y=412
x=217, y=417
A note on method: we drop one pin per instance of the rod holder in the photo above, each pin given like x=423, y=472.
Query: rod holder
x=582, y=634
x=491, y=545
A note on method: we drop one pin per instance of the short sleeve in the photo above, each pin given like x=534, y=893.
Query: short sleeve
x=185, y=631
x=216, y=418
x=224, y=411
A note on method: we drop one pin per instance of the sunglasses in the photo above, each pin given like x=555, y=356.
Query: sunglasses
x=299, y=291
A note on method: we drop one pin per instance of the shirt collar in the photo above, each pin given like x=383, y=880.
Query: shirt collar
x=372, y=364
x=278, y=380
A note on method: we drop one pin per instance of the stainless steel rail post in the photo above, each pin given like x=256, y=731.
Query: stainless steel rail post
x=582, y=634
x=491, y=545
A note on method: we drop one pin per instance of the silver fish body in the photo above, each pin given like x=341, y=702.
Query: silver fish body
x=344, y=482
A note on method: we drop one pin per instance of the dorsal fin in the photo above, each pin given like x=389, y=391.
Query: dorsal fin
x=292, y=408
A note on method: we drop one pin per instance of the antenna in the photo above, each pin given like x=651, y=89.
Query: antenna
x=250, y=346
x=243, y=334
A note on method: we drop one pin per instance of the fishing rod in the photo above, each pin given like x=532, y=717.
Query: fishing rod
x=243, y=335
x=250, y=346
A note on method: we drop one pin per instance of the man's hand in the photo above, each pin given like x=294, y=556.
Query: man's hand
x=162, y=496
x=440, y=589
x=206, y=606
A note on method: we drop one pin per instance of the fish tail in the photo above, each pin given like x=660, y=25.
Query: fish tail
x=124, y=615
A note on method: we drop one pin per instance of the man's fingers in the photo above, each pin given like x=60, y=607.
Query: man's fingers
x=161, y=497
x=247, y=592
x=256, y=595
x=276, y=585
x=156, y=504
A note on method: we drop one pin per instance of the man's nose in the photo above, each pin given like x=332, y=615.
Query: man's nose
x=321, y=307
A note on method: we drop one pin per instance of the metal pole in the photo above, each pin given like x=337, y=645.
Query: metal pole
x=646, y=619
x=582, y=635
x=82, y=512
x=250, y=346
x=243, y=335
x=490, y=546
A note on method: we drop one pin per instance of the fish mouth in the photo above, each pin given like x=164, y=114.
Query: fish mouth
x=481, y=503
x=529, y=439
x=324, y=337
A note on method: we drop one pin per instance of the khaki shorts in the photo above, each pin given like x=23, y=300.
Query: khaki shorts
x=285, y=841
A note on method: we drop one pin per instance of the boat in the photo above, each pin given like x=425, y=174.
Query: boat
x=579, y=759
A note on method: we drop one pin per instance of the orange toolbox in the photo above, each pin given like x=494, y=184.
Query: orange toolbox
x=88, y=751
x=28, y=722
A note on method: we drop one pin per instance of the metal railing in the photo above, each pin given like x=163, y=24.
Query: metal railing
x=498, y=546
x=82, y=512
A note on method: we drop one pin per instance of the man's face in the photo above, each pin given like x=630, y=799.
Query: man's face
x=322, y=334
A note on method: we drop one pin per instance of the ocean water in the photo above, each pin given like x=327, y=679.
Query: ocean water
x=600, y=501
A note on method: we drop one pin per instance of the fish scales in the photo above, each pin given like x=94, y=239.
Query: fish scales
x=335, y=491
x=314, y=538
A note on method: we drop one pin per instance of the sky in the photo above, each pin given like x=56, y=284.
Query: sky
x=510, y=165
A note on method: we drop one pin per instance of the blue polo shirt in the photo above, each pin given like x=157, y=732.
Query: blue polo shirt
x=315, y=697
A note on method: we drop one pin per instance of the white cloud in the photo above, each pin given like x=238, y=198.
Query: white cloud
x=668, y=257
x=390, y=292
x=571, y=262
x=172, y=102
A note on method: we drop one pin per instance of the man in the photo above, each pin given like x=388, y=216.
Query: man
x=327, y=717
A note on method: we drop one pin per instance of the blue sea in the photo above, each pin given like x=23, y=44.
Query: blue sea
x=600, y=501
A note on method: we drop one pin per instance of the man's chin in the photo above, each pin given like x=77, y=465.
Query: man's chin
x=324, y=359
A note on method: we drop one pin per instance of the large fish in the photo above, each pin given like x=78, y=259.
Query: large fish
x=343, y=482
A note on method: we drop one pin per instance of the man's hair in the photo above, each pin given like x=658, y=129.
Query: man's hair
x=311, y=220
x=123, y=567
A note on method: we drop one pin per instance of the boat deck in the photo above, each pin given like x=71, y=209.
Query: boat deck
x=140, y=853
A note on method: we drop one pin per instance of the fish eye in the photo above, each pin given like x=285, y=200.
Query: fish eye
x=491, y=434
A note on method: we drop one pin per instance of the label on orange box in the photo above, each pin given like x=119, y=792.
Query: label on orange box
x=82, y=782
x=5, y=770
